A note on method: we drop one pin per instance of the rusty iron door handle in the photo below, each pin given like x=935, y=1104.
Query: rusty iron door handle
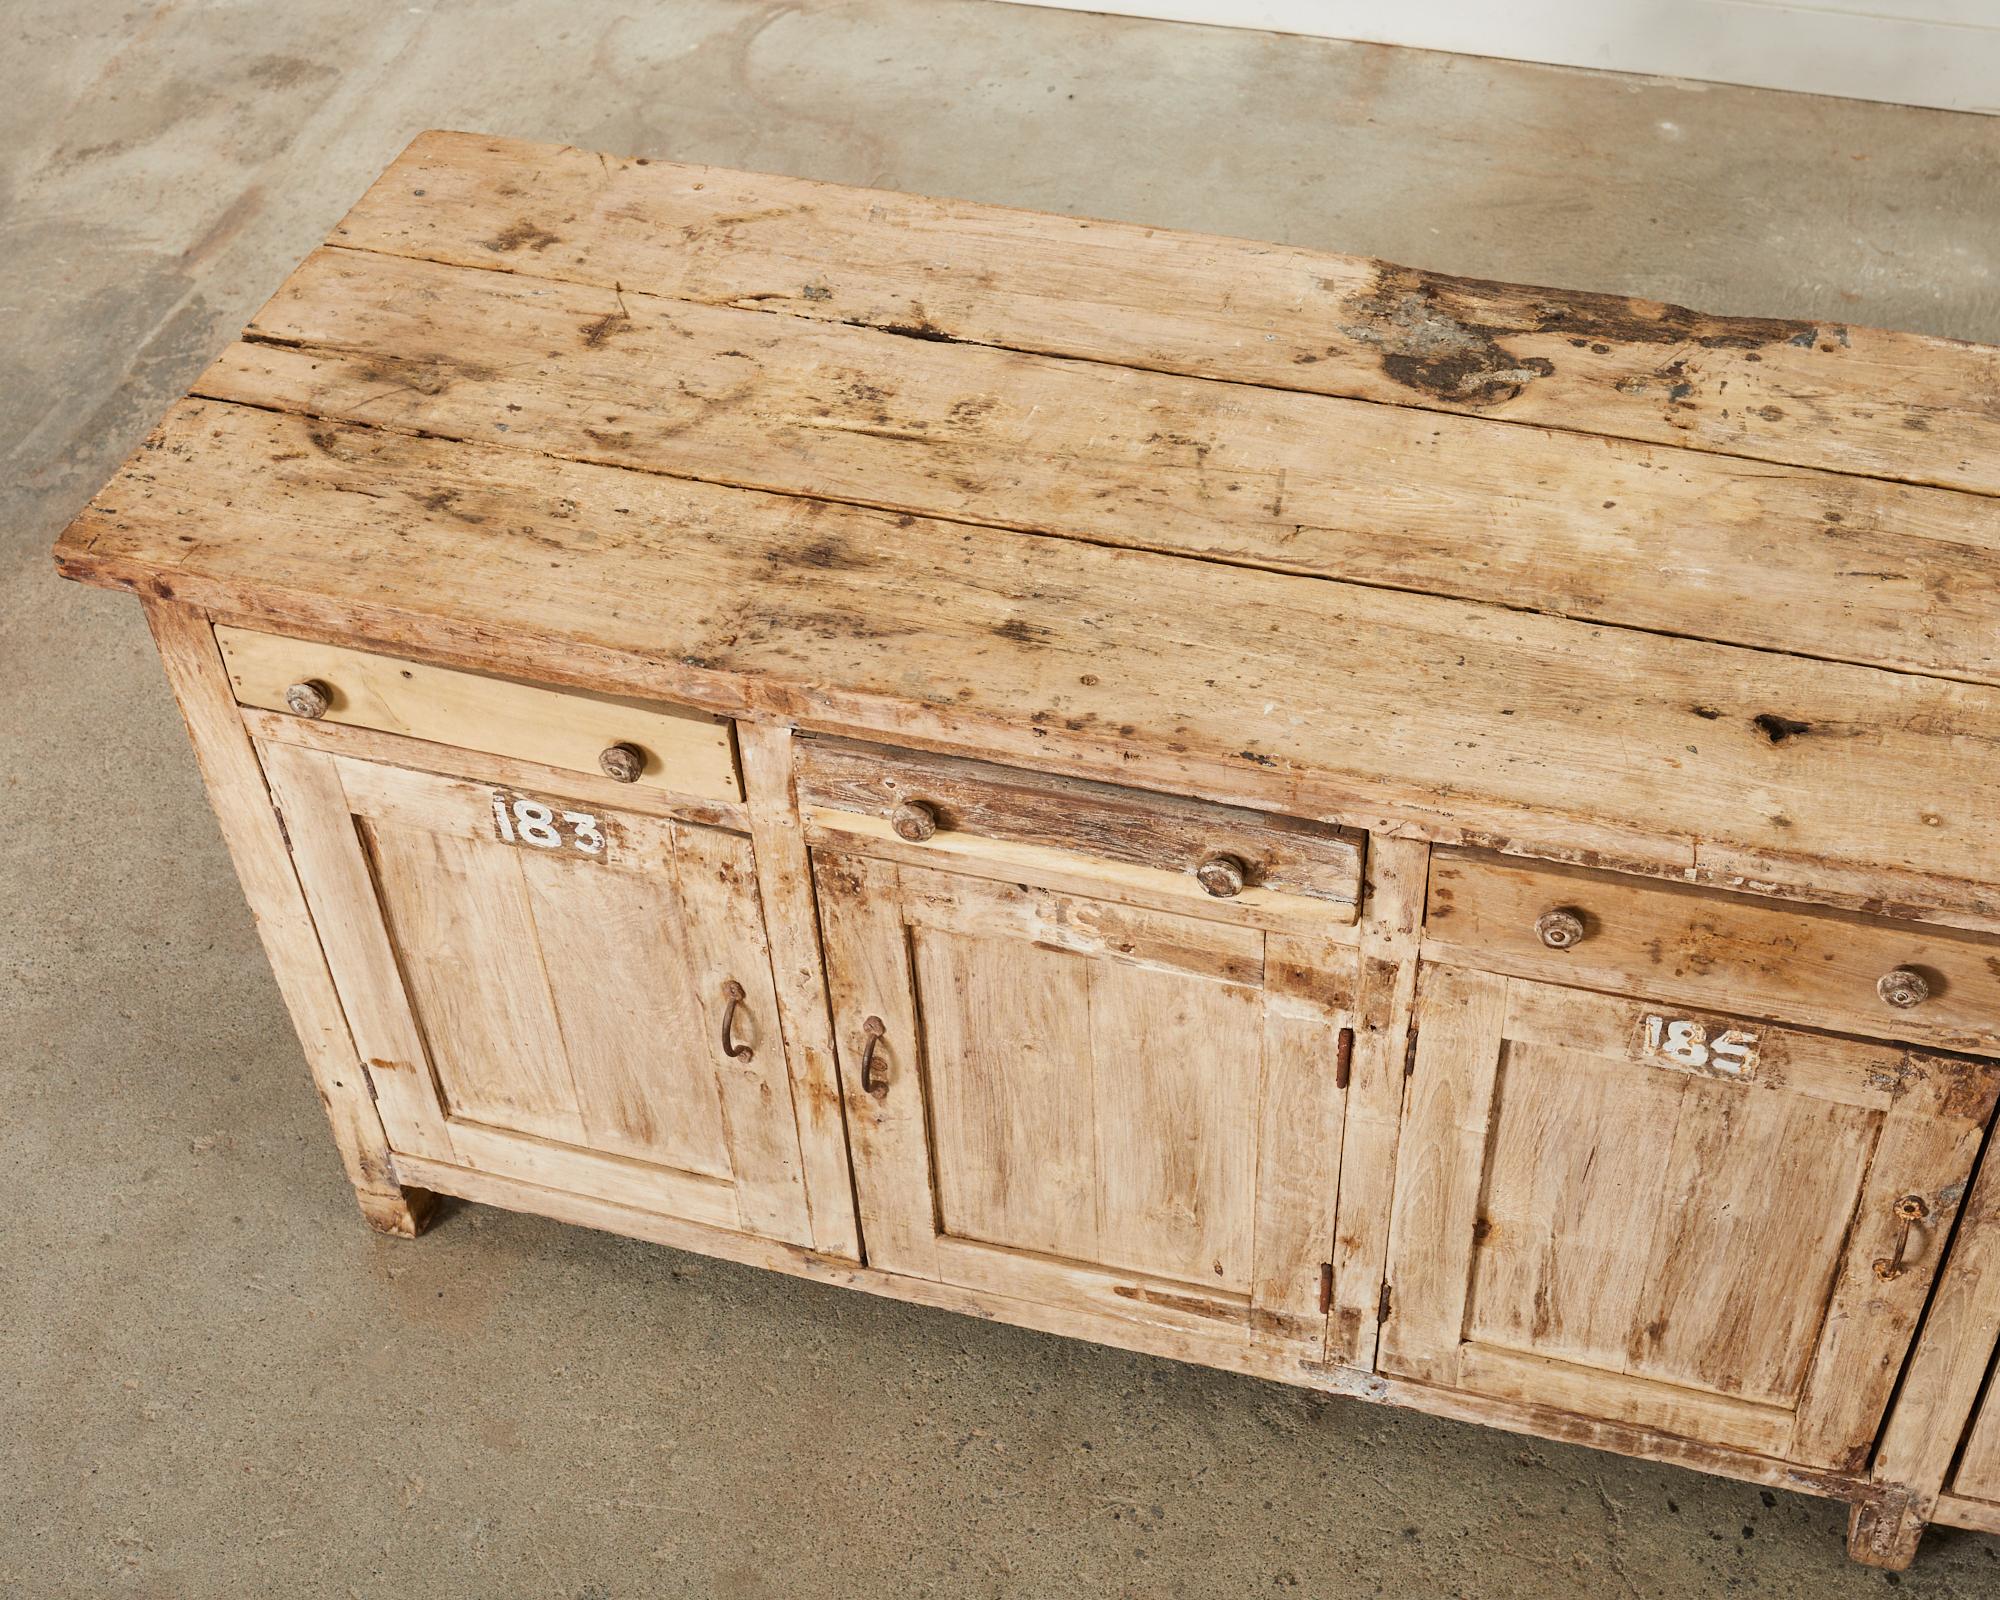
x=732, y=991
x=874, y=1081
x=1909, y=1209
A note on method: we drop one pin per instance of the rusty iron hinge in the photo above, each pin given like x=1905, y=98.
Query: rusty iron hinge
x=1325, y=1287
x=1382, y=1305
x=368, y=1078
x=1410, y=1054
x=1343, y=1058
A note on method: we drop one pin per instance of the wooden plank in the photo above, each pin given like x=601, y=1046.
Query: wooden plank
x=1070, y=871
x=1008, y=1079
x=463, y=934
x=791, y=924
x=1923, y=1150
x=1883, y=404
x=338, y=887
x=615, y=952
x=1713, y=1419
x=600, y=1175
x=1954, y=1351
x=1386, y=1000
x=435, y=802
x=256, y=844
x=1670, y=540
x=593, y=790
x=1610, y=1027
x=868, y=975
x=1164, y=1335
x=686, y=751
x=1177, y=1065
x=1212, y=1325
x=1481, y=726
x=1439, y=1165
x=1048, y=919
x=1310, y=1001
x=1286, y=855
x=1676, y=942
x=1760, y=1198
x=1566, y=1215
x=715, y=885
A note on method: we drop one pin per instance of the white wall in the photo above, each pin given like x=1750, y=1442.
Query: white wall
x=1920, y=52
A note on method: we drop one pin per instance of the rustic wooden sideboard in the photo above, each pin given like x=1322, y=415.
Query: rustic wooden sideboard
x=1416, y=837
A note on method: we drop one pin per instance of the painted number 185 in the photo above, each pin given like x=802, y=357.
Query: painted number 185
x=1686, y=1043
x=538, y=825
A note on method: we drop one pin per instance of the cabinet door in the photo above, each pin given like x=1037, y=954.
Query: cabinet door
x=542, y=990
x=1066, y=1100
x=1684, y=1221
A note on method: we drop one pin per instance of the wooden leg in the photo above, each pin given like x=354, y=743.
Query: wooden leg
x=1883, y=1530
x=402, y=1212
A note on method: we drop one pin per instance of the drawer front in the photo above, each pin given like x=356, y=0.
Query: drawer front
x=1830, y=969
x=1222, y=854
x=684, y=751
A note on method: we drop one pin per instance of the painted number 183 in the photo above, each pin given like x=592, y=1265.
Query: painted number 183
x=538, y=825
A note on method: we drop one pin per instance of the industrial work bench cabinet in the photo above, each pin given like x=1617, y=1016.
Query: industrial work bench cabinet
x=1410, y=836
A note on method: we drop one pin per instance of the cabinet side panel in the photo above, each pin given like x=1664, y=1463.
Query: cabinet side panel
x=250, y=829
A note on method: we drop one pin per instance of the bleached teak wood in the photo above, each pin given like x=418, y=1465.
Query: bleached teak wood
x=684, y=752
x=1808, y=562
x=1121, y=635
x=1675, y=942
x=1062, y=1094
x=257, y=846
x=1856, y=400
x=1470, y=724
x=784, y=882
x=550, y=1009
x=1667, y=1218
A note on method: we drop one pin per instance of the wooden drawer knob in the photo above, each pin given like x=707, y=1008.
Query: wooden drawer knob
x=623, y=762
x=1559, y=929
x=1221, y=876
x=1903, y=988
x=309, y=699
x=914, y=821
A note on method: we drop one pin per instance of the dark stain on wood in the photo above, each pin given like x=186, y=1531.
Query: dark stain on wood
x=521, y=234
x=1778, y=729
x=1440, y=335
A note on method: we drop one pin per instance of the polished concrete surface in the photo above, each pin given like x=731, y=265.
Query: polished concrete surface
x=213, y=1379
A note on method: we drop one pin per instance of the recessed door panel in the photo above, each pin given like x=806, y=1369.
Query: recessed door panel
x=1692, y=1222
x=559, y=993
x=1115, y=1109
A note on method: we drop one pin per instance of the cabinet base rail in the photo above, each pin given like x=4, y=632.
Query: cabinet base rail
x=1883, y=1531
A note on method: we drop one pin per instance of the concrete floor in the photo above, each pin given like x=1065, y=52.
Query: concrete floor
x=216, y=1381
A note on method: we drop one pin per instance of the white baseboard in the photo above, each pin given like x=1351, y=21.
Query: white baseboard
x=1942, y=53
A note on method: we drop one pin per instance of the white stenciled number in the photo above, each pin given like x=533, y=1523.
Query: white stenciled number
x=1687, y=1043
x=535, y=823
x=544, y=825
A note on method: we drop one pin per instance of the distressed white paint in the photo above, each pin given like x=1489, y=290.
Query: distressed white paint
x=1686, y=1043
x=541, y=825
x=1919, y=52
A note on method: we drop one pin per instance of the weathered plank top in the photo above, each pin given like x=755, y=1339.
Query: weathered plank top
x=1582, y=576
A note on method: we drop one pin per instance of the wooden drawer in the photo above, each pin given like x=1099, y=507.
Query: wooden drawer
x=1224, y=855
x=1672, y=942
x=687, y=752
